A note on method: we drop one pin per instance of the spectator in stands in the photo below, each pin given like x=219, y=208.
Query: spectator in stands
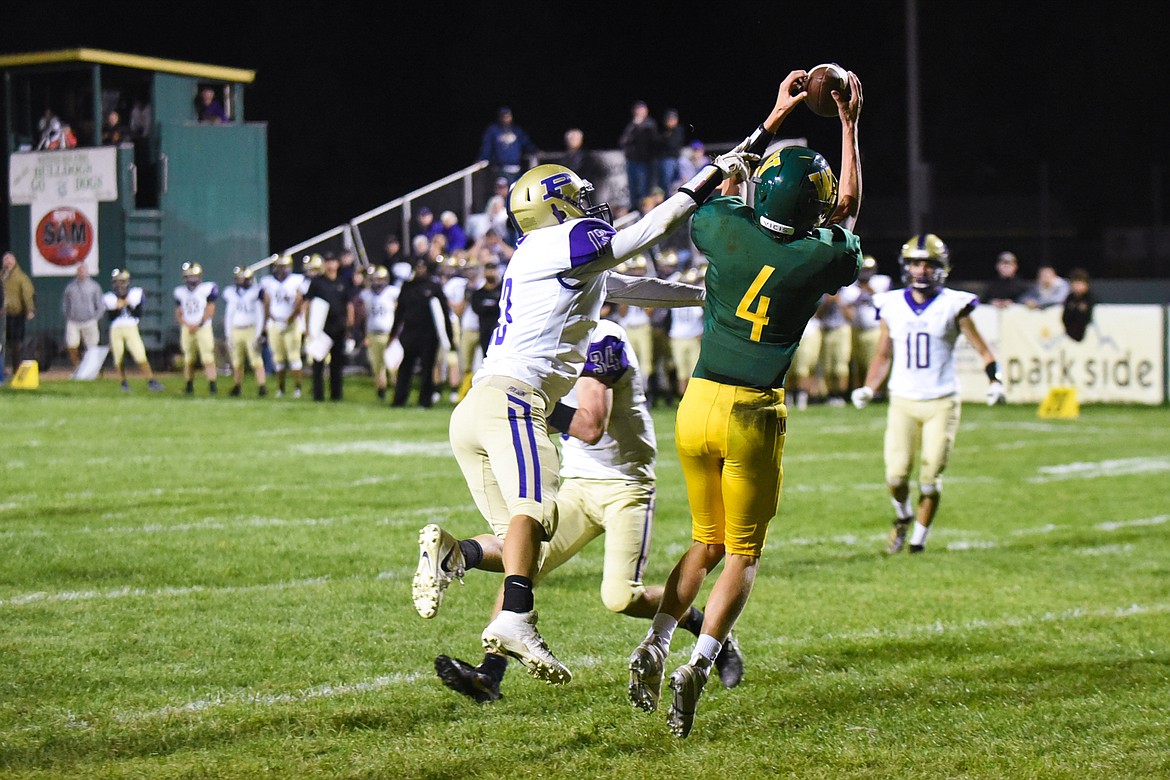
x=693, y=158
x=670, y=146
x=82, y=306
x=639, y=144
x=496, y=246
x=1078, y=306
x=505, y=146
x=391, y=252
x=579, y=159
x=1006, y=288
x=424, y=223
x=55, y=133
x=494, y=215
x=1050, y=289
x=449, y=226
x=115, y=131
x=141, y=118
x=208, y=108
x=20, y=306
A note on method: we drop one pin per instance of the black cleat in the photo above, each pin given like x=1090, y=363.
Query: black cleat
x=729, y=663
x=235, y=392
x=464, y=678
x=917, y=548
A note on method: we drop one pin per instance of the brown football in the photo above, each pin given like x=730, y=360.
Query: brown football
x=821, y=82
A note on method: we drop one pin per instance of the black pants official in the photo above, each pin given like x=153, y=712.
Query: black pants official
x=14, y=337
x=421, y=356
x=336, y=370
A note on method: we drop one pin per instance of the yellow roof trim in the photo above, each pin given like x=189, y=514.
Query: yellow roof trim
x=102, y=57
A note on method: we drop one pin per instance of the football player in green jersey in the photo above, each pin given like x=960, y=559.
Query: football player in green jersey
x=770, y=263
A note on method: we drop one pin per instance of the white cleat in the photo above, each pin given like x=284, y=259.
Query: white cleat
x=687, y=683
x=646, y=673
x=515, y=634
x=439, y=562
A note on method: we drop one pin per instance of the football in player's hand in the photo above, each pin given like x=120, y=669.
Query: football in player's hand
x=821, y=82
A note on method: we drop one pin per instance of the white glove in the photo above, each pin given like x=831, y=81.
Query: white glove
x=996, y=394
x=735, y=163
x=861, y=397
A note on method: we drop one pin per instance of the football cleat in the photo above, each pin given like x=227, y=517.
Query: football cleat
x=646, y=672
x=297, y=393
x=917, y=548
x=125, y=386
x=155, y=386
x=439, y=562
x=897, y=538
x=514, y=634
x=468, y=680
x=687, y=683
x=729, y=663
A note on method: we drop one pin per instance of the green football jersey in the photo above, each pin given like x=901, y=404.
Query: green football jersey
x=762, y=290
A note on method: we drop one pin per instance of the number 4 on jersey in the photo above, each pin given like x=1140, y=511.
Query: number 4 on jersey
x=757, y=316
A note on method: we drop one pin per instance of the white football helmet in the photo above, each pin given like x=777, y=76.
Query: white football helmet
x=550, y=195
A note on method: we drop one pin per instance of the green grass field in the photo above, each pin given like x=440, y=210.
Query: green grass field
x=207, y=588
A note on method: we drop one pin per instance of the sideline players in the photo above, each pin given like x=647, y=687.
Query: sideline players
x=916, y=349
x=194, y=311
x=243, y=325
x=124, y=308
x=283, y=301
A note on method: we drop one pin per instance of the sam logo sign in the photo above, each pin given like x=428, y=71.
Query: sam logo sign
x=64, y=236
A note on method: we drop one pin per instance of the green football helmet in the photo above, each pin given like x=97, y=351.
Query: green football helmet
x=930, y=248
x=550, y=195
x=796, y=191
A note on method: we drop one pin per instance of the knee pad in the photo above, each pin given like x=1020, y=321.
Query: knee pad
x=930, y=488
x=619, y=594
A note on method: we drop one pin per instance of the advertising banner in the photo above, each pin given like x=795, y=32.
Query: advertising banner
x=1122, y=358
x=62, y=190
x=64, y=235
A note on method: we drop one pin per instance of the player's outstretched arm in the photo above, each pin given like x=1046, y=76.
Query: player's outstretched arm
x=849, y=188
x=652, y=292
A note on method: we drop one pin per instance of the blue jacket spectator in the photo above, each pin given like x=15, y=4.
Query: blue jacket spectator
x=505, y=145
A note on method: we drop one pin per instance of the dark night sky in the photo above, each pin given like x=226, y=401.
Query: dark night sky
x=361, y=111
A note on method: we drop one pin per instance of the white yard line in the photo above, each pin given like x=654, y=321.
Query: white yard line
x=42, y=597
x=1102, y=468
x=332, y=691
